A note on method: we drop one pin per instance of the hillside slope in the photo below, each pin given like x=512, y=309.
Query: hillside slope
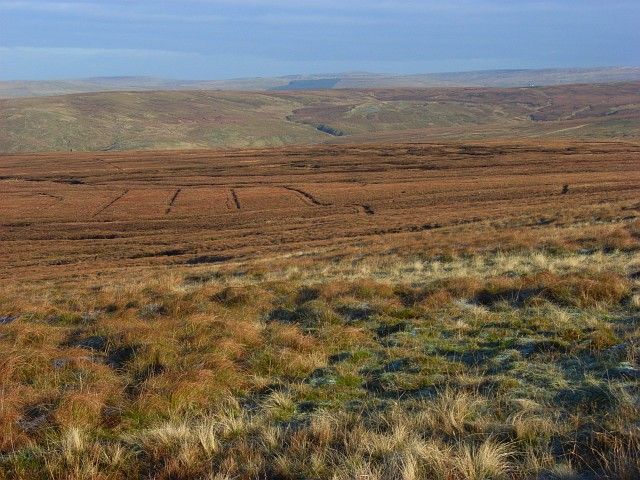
x=221, y=119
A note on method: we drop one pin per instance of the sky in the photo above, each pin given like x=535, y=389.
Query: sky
x=220, y=39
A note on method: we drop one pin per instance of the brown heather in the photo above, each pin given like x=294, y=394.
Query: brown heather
x=290, y=339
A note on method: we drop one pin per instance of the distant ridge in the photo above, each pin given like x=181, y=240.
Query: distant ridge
x=355, y=80
x=319, y=84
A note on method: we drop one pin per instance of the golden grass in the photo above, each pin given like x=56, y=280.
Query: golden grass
x=430, y=356
x=441, y=369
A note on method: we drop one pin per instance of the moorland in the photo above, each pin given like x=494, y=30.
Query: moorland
x=380, y=283
x=179, y=120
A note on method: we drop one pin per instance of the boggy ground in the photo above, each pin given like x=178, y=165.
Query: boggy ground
x=63, y=214
x=503, y=348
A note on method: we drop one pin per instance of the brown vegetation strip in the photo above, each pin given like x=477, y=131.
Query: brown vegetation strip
x=434, y=195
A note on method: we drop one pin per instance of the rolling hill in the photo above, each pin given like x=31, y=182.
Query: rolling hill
x=223, y=119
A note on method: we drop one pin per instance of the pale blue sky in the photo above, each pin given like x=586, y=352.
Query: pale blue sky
x=214, y=39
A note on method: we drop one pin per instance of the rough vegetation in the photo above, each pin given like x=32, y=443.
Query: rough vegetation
x=485, y=326
x=495, y=365
x=65, y=213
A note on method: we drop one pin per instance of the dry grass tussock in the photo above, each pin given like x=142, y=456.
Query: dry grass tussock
x=510, y=365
